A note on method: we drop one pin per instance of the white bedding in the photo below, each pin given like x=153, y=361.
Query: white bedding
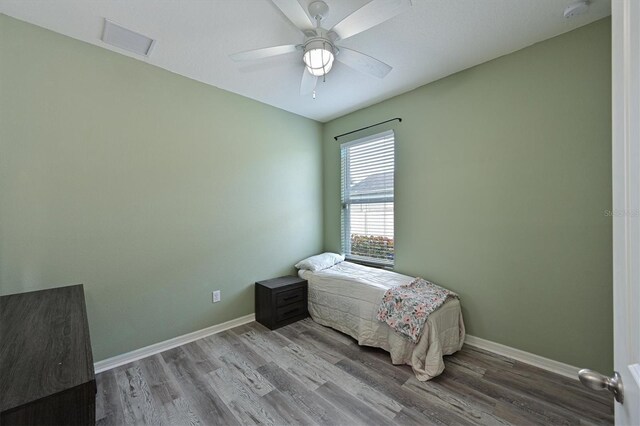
x=346, y=297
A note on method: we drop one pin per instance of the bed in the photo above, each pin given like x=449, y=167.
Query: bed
x=346, y=297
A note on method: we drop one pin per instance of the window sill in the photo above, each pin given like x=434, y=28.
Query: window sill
x=369, y=263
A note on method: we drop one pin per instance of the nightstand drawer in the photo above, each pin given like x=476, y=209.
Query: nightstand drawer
x=290, y=311
x=291, y=296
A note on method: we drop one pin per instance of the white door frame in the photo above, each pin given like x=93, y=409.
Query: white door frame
x=626, y=203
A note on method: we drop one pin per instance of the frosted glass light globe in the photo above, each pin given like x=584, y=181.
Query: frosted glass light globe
x=318, y=61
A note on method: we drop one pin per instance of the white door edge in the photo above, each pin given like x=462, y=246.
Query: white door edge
x=626, y=203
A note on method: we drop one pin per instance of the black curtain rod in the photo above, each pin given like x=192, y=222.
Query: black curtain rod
x=368, y=127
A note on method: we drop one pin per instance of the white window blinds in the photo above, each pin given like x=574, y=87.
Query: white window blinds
x=368, y=167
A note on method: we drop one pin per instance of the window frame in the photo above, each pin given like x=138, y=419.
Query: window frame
x=345, y=216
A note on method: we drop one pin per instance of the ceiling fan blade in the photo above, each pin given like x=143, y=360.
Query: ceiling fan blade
x=308, y=84
x=267, y=52
x=295, y=13
x=371, y=14
x=363, y=63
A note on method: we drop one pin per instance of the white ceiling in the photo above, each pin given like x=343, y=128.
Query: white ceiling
x=435, y=38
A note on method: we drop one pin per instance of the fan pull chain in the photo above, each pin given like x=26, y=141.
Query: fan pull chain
x=314, y=94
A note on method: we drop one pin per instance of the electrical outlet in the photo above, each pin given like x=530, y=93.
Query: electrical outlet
x=215, y=296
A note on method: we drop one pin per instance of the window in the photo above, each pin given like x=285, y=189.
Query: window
x=368, y=166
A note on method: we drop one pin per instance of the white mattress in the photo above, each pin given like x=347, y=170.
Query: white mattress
x=346, y=297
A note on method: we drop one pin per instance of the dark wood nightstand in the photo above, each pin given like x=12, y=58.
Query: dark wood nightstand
x=281, y=301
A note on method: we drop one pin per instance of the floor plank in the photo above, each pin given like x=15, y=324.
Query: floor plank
x=138, y=403
x=111, y=411
x=207, y=404
x=432, y=411
x=246, y=405
x=312, y=404
x=352, y=406
x=308, y=374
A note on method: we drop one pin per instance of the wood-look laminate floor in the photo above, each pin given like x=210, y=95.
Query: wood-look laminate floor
x=308, y=374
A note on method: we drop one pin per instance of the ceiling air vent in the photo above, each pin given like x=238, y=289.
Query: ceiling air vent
x=126, y=39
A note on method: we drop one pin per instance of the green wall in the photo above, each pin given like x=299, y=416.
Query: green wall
x=153, y=190
x=150, y=188
x=503, y=175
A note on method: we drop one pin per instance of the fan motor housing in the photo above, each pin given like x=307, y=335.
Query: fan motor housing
x=319, y=43
x=320, y=38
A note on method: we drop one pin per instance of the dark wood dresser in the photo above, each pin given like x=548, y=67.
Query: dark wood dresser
x=46, y=365
x=281, y=301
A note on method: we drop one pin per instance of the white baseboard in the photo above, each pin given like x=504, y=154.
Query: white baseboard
x=522, y=356
x=507, y=351
x=118, y=360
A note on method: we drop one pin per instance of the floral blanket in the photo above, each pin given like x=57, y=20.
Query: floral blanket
x=405, y=308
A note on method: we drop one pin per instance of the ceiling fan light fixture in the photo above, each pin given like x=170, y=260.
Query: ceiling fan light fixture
x=318, y=49
x=318, y=57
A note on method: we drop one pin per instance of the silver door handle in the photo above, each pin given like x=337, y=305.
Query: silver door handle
x=594, y=380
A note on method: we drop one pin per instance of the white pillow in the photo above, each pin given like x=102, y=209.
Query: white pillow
x=320, y=261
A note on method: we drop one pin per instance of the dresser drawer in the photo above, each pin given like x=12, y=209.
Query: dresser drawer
x=291, y=311
x=289, y=297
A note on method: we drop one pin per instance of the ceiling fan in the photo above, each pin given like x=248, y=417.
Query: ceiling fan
x=319, y=46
